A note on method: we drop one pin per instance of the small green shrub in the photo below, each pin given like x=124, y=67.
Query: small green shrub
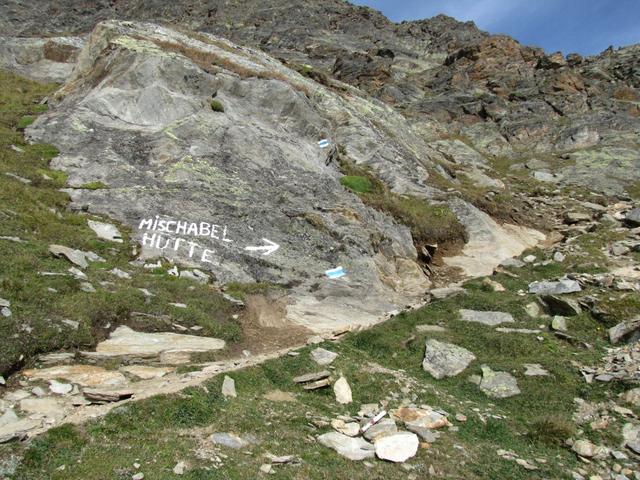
x=216, y=106
x=357, y=184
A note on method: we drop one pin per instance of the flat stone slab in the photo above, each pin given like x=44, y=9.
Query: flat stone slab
x=107, y=394
x=323, y=357
x=231, y=440
x=83, y=375
x=535, y=370
x=124, y=341
x=397, y=447
x=486, y=317
x=444, y=292
x=429, y=328
x=518, y=330
x=76, y=257
x=444, y=359
x=312, y=377
x=352, y=448
x=144, y=372
x=554, y=288
x=498, y=384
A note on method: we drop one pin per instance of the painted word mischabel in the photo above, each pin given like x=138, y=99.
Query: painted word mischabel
x=161, y=233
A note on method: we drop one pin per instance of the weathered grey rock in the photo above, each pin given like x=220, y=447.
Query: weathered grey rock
x=397, y=447
x=124, y=341
x=350, y=429
x=197, y=276
x=628, y=331
x=576, y=217
x=498, y=384
x=632, y=217
x=4, y=303
x=106, y=231
x=486, y=317
x=120, y=273
x=444, y=359
x=325, y=382
x=554, y=288
x=83, y=375
x=76, y=257
x=312, y=377
x=558, y=257
x=107, y=394
x=559, y=323
x=342, y=391
x=60, y=388
x=429, y=328
x=229, y=387
x=518, y=330
x=561, y=306
x=532, y=309
x=512, y=262
x=352, y=448
x=632, y=396
x=586, y=449
x=385, y=426
x=444, y=292
x=5, y=312
x=534, y=370
x=230, y=440
x=323, y=357
x=547, y=177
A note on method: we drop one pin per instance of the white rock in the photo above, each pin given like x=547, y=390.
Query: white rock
x=397, y=447
x=179, y=468
x=60, y=388
x=229, y=387
x=342, y=391
x=120, y=273
x=351, y=448
x=106, y=231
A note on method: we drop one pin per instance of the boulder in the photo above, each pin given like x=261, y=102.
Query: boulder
x=632, y=218
x=229, y=387
x=628, y=331
x=561, y=306
x=323, y=357
x=498, y=384
x=559, y=324
x=106, y=231
x=445, y=359
x=342, y=391
x=554, y=288
x=397, y=447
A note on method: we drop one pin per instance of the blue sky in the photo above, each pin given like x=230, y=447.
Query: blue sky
x=583, y=26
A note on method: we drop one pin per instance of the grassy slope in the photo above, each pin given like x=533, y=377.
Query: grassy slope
x=37, y=213
x=159, y=432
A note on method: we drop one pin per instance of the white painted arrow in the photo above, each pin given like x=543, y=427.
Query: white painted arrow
x=268, y=249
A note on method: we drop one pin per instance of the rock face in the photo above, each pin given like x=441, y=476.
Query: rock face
x=147, y=132
x=444, y=359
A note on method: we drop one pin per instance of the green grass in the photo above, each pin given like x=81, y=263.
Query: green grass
x=429, y=223
x=534, y=424
x=217, y=106
x=37, y=213
x=357, y=184
x=25, y=121
x=93, y=186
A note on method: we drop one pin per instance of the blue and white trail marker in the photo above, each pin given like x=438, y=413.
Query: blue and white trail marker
x=324, y=143
x=335, y=272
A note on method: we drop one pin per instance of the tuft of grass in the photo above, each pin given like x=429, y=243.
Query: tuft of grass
x=429, y=223
x=357, y=183
x=217, y=106
x=25, y=121
x=93, y=186
x=551, y=429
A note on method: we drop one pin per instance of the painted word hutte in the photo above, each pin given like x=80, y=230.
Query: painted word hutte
x=155, y=240
x=177, y=227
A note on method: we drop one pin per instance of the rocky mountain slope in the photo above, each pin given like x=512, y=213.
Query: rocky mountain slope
x=211, y=183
